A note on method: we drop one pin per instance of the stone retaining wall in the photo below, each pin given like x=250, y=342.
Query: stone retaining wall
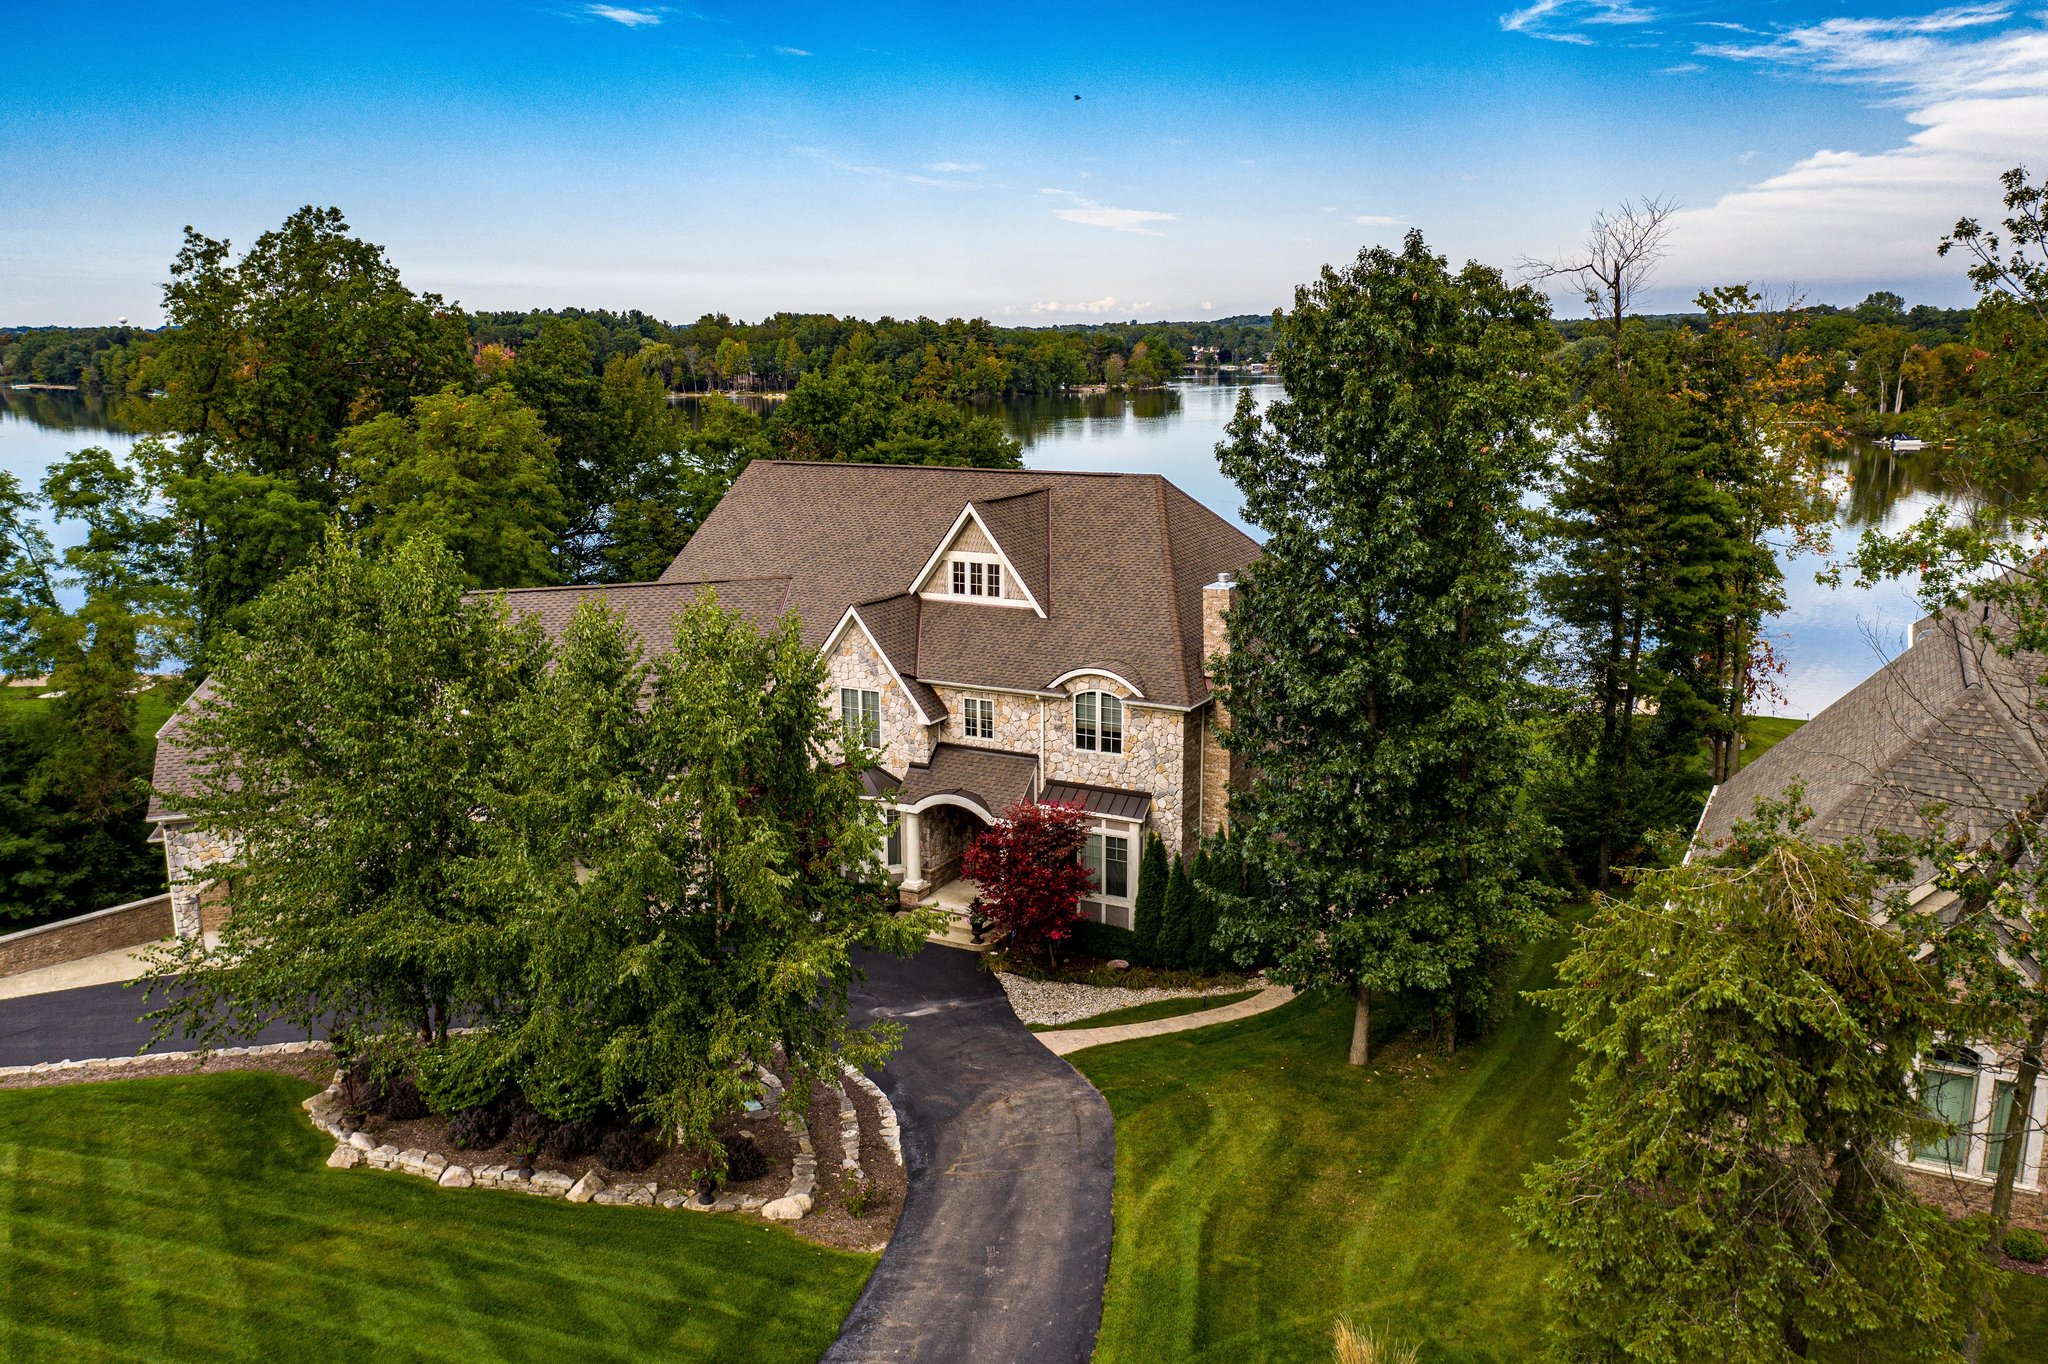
x=107, y=930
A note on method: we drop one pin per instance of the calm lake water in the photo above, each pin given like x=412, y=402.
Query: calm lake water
x=1828, y=638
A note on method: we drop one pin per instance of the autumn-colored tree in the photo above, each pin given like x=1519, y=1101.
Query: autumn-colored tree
x=1028, y=865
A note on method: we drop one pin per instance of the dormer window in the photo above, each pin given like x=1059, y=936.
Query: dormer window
x=1098, y=722
x=977, y=578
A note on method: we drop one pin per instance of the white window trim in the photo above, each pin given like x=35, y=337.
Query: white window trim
x=1977, y=1137
x=1133, y=834
x=1123, y=724
x=921, y=584
x=968, y=705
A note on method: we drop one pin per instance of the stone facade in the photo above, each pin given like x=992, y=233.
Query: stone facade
x=197, y=903
x=1153, y=760
x=855, y=662
x=1016, y=719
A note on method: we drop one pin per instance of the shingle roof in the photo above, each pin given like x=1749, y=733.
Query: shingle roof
x=992, y=779
x=1125, y=558
x=1948, y=720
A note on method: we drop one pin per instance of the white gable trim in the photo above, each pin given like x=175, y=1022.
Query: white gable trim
x=852, y=617
x=946, y=542
x=1124, y=682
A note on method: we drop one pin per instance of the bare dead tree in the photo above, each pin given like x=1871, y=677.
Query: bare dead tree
x=1619, y=258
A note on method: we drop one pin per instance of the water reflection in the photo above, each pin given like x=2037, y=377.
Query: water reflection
x=54, y=410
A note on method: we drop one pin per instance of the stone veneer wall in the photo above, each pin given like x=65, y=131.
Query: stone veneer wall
x=195, y=899
x=1016, y=720
x=1222, y=771
x=945, y=832
x=856, y=663
x=1155, y=744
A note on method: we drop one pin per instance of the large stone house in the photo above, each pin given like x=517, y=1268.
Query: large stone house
x=996, y=636
x=1951, y=720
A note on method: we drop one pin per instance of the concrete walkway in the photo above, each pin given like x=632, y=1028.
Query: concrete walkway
x=1064, y=1041
x=1003, y=1249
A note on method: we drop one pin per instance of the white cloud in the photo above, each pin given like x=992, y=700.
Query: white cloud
x=1088, y=213
x=631, y=18
x=1682, y=69
x=1098, y=307
x=954, y=167
x=1377, y=220
x=793, y=51
x=1559, y=21
x=1974, y=89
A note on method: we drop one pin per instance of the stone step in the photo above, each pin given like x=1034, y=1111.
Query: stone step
x=957, y=933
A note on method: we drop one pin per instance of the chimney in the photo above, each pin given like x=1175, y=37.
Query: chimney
x=1221, y=769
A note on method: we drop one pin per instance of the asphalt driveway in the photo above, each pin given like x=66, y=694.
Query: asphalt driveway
x=89, y=1023
x=1003, y=1248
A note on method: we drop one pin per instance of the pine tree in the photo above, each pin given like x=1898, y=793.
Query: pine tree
x=1150, y=907
x=1202, y=953
x=1376, y=648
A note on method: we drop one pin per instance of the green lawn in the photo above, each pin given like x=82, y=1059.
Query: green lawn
x=1145, y=1013
x=153, y=707
x=192, y=1218
x=1264, y=1188
x=1762, y=731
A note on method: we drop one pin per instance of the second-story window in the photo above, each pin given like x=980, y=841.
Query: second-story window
x=975, y=578
x=1098, y=722
x=978, y=717
x=861, y=712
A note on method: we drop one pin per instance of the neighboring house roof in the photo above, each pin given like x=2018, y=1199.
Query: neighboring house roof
x=1117, y=561
x=178, y=763
x=1950, y=720
x=988, y=777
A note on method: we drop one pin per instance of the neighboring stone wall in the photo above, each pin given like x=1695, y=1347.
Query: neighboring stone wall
x=1154, y=756
x=1016, y=720
x=188, y=852
x=106, y=930
x=856, y=663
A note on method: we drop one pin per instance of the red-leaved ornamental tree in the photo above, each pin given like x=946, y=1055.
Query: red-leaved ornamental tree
x=1028, y=865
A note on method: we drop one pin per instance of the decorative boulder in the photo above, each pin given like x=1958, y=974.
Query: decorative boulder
x=345, y=1157
x=457, y=1177
x=787, y=1209
x=586, y=1188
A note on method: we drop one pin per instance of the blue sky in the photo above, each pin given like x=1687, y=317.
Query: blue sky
x=933, y=159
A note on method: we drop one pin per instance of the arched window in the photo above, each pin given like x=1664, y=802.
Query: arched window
x=1098, y=722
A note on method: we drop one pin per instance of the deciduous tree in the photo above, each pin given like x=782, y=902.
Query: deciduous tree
x=1028, y=865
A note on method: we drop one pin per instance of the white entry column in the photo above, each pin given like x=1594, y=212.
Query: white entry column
x=913, y=853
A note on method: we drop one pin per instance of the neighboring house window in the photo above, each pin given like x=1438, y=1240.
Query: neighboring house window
x=977, y=578
x=1108, y=859
x=978, y=718
x=1948, y=1090
x=1098, y=722
x=861, y=711
x=892, y=845
x=1994, y=1149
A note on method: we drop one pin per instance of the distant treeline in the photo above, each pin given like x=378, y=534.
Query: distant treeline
x=956, y=359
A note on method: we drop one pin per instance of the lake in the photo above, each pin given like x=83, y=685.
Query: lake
x=1828, y=638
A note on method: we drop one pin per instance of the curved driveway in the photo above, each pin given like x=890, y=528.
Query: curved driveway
x=1003, y=1248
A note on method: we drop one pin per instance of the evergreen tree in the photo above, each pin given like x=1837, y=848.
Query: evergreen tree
x=1149, y=909
x=1748, y=1035
x=1376, y=659
x=1202, y=950
x=1177, y=922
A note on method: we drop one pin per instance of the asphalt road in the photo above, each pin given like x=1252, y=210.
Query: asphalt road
x=1003, y=1248
x=90, y=1023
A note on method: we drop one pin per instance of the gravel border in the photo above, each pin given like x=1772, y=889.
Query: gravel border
x=1056, y=1001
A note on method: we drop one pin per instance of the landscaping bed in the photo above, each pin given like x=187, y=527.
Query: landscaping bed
x=1169, y=1006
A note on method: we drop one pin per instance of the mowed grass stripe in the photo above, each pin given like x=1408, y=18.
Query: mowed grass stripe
x=192, y=1218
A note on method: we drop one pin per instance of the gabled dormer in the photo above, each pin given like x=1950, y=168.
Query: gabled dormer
x=993, y=555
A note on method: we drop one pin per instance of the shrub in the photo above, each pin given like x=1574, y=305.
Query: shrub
x=575, y=1138
x=527, y=1132
x=860, y=1196
x=2026, y=1245
x=402, y=1101
x=360, y=1093
x=743, y=1159
x=1029, y=868
x=476, y=1128
x=1106, y=941
x=629, y=1149
x=1354, y=1346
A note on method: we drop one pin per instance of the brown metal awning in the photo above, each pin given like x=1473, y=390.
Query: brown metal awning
x=1099, y=800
